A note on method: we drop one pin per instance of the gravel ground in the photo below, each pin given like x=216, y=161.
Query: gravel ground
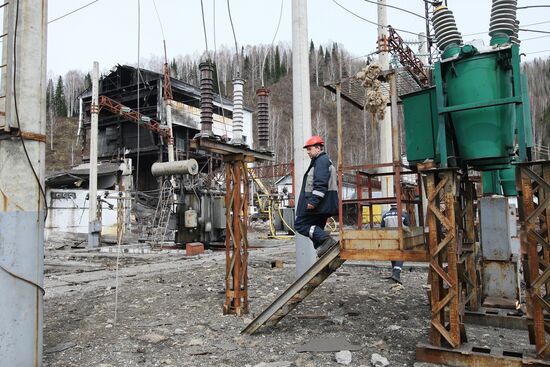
x=169, y=312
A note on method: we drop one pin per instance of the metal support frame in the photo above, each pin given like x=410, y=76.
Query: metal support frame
x=533, y=181
x=443, y=242
x=470, y=287
x=236, y=241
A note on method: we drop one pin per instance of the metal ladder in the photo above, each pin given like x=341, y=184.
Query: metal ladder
x=298, y=291
x=161, y=219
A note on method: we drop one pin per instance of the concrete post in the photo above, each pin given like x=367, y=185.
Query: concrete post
x=22, y=187
x=94, y=227
x=385, y=123
x=301, y=124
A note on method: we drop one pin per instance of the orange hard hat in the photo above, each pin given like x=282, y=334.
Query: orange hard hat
x=314, y=140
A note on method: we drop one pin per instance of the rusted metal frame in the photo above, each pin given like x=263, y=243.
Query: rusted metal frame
x=447, y=186
x=237, y=238
x=167, y=83
x=452, y=257
x=472, y=355
x=273, y=170
x=420, y=184
x=406, y=56
x=531, y=265
x=434, y=278
x=545, y=222
x=340, y=157
x=473, y=290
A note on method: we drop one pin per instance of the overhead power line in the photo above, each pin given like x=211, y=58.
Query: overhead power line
x=533, y=6
x=537, y=52
x=273, y=40
x=533, y=30
x=398, y=8
x=204, y=27
x=370, y=21
x=72, y=12
x=486, y=32
x=234, y=36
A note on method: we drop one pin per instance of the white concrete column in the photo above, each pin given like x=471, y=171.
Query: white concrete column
x=22, y=187
x=301, y=123
x=94, y=228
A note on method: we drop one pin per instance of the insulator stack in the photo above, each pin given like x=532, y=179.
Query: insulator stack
x=503, y=19
x=446, y=31
x=238, y=111
x=207, y=97
x=263, y=117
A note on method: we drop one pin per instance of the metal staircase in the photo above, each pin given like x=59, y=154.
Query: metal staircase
x=298, y=291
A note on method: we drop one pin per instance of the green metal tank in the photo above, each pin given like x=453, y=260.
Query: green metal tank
x=484, y=135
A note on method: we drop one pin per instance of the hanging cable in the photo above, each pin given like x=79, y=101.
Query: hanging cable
x=537, y=52
x=533, y=6
x=272, y=42
x=533, y=30
x=398, y=8
x=234, y=39
x=41, y=188
x=42, y=192
x=160, y=22
x=72, y=12
x=138, y=87
x=216, y=68
x=204, y=28
x=370, y=21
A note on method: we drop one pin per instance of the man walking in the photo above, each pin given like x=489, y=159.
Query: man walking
x=389, y=219
x=318, y=197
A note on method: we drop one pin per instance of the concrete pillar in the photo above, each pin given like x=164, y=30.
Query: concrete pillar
x=22, y=188
x=301, y=122
x=94, y=226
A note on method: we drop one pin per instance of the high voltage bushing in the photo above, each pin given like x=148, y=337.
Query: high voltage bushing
x=503, y=19
x=263, y=117
x=446, y=31
x=207, y=97
x=238, y=111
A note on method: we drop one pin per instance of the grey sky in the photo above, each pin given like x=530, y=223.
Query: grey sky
x=107, y=30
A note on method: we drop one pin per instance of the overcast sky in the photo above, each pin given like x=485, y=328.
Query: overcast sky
x=107, y=30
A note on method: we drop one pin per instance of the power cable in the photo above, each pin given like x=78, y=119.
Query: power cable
x=160, y=22
x=216, y=68
x=398, y=8
x=537, y=52
x=533, y=30
x=204, y=28
x=534, y=38
x=138, y=98
x=234, y=38
x=72, y=12
x=42, y=191
x=272, y=41
x=370, y=21
x=533, y=6
x=485, y=32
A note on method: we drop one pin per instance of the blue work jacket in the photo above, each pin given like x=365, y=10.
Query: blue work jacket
x=319, y=188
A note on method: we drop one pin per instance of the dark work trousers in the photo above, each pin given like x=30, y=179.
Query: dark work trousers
x=312, y=226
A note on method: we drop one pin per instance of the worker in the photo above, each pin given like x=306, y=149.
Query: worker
x=318, y=199
x=389, y=220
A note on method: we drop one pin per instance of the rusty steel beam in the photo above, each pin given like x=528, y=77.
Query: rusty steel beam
x=407, y=57
x=533, y=183
x=480, y=356
x=236, y=242
x=134, y=116
x=443, y=248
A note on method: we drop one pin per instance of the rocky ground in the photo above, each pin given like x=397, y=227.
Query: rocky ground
x=169, y=312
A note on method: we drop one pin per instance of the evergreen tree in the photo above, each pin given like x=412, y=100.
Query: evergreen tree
x=277, y=68
x=59, y=99
x=87, y=81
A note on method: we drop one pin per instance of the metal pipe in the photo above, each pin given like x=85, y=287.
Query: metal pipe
x=187, y=167
x=207, y=97
x=22, y=196
x=301, y=122
x=94, y=228
x=340, y=156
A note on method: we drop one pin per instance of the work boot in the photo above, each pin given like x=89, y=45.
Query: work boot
x=396, y=275
x=325, y=246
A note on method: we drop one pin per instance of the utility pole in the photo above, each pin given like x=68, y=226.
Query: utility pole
x=22, y=195
x=94, y=226
x=385, y=123
x=301, y=122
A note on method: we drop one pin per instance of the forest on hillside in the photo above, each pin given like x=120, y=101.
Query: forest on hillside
x=271, y=66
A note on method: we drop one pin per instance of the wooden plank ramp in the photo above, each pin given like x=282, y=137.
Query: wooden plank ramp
x=298, y=291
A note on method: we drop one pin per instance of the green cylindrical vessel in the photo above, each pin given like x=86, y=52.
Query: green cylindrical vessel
x=483, y=134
